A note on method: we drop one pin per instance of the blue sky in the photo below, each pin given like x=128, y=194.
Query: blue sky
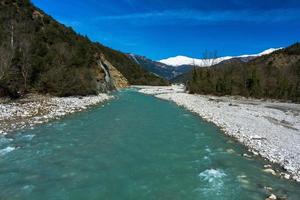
x=165, y=28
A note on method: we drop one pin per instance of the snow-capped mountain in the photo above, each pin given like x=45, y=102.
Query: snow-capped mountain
x=176, y=66
x=183, y=60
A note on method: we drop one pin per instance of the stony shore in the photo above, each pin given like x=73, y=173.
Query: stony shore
x=37, y=109
x=268, y=128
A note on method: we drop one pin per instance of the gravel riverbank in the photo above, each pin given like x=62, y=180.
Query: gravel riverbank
x=37, y=109
x=269, y=129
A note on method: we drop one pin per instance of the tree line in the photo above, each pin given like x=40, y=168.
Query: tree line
x=274, y=76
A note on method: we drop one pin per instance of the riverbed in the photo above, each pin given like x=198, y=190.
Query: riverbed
x=269, y=128
x=133, y=147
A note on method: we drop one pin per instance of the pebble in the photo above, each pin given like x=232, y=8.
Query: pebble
x=247, y=155
x=35, y=111
x=230, y=151
x=296, y=178
x=254, y=153
x=270, y=171
x=267, y=166
x=285, y=175
x=272, y=197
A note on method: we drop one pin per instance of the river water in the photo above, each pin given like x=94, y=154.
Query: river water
x=133, y=147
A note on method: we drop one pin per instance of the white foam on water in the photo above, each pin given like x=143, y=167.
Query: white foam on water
x=243, y=180
x=230, y=151
x=207, y=150
x=214, y=181
x=186, y=115
x=6, y=150
x=206, y=158
x=4, y=140
x=199, y=136
x=212, y=175
x=28, y=188
x=57, y=125
x=195, y=161
x=28, y=137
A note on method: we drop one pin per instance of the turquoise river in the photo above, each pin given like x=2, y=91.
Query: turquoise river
x=134, y=147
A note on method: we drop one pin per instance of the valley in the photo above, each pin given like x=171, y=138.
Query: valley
x=95, y=104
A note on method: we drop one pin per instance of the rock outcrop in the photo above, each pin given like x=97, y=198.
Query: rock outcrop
x=107, y=76
x=118, y=80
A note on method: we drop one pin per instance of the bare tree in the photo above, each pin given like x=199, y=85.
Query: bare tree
x=25, y=46
x=5, y=62
x=210, y=58
x=194, y=63
x=6, y=54
x=12, y=34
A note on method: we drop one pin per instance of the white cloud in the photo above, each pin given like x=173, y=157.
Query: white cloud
x=215, y=16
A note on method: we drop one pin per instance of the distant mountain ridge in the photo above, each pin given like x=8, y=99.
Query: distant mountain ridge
x=184, y=60
x=175, y=67
x=166, y=71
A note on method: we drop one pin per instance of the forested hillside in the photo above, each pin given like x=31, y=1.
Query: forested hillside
x=167, y=72
x=271, y=76
x=38, y=54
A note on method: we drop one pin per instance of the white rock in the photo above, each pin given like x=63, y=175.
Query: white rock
x=271, y=171
x=247, y=156
x=230, y=151
x=267, y=166
x=254, y=153
x=272, y=197
x=287, y=176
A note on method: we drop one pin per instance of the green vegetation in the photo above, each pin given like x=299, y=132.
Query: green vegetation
x=271, y=76
x=37, y=54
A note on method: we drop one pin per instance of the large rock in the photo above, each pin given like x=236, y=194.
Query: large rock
x=118, y=79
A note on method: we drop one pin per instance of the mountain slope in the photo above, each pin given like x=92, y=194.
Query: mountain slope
x=166, y=71
x=134, y=73
x=275, y=75
x=38, y=54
